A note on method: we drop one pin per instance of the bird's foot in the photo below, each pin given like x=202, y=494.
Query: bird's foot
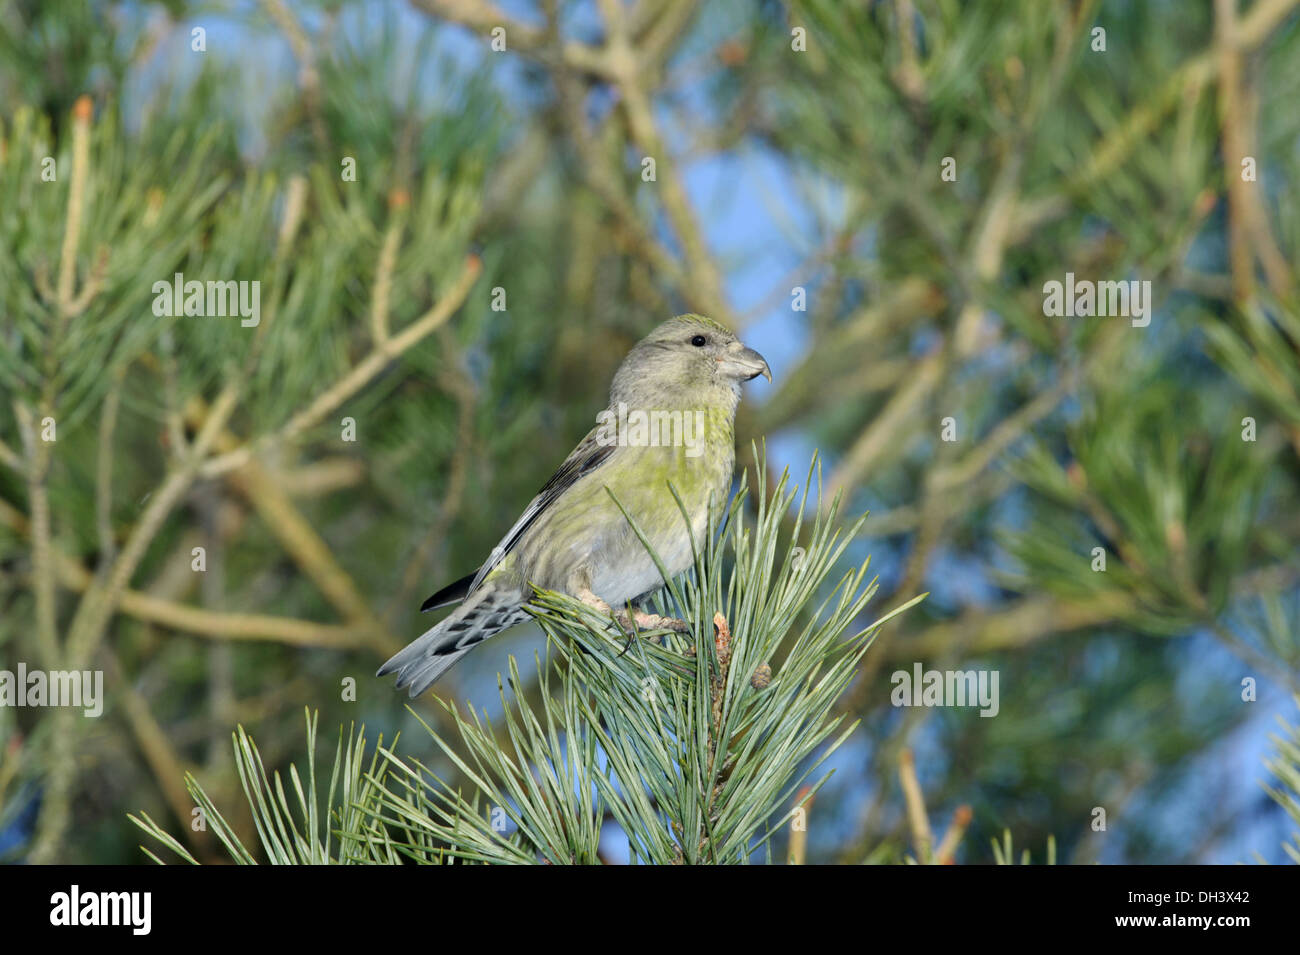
x=637, y=619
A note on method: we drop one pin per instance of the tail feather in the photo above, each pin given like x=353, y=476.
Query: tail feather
x=433, y=653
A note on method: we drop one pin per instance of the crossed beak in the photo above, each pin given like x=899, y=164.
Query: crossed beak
x=744, y=363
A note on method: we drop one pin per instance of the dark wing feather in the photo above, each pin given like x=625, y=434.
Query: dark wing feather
x=452, y=593
x=585, y=458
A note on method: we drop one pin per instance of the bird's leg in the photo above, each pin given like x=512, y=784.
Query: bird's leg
x=591, y=600
x=586, y=595
x=651, y=621
x=637, y=619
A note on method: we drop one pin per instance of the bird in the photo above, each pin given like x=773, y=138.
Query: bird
x=670, y=421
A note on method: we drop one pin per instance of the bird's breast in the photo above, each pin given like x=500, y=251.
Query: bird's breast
x=584, y=535
x=623, y=569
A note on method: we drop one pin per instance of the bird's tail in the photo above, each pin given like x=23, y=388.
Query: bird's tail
x=485, y=613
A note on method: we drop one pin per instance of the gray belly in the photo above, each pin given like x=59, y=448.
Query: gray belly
x=627, y=571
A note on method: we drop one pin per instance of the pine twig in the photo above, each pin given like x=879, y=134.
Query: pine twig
x=211, y=624
x=104, y=470
x=398, y=200
x=914, y=798
x=361, y=375
x=947, y=851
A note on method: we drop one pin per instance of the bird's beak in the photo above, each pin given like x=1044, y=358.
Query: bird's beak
x=744, y=363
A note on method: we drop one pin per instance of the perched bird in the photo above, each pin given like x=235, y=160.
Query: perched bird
x=670, y=419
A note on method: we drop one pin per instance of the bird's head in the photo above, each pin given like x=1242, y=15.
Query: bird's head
x=686, y=359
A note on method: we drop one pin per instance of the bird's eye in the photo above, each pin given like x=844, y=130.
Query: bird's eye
x=699, y=341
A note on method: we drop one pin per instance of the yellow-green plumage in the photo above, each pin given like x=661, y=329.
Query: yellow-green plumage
x=573, y=537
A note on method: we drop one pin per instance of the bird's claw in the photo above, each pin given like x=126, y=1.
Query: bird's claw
x=639, y=621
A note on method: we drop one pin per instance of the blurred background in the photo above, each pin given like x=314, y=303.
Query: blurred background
x=462, y=214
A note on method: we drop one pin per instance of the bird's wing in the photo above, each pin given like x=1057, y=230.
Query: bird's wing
x=585, y=458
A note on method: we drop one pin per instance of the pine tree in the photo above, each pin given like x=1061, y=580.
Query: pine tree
x=449, y=215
